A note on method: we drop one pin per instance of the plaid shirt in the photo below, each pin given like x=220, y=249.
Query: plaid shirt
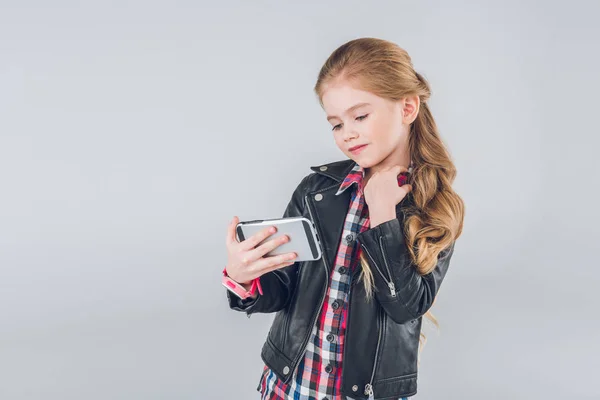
x=319, y=373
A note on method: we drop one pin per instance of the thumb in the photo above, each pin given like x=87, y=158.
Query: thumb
x=231, y=237
x=403, y=191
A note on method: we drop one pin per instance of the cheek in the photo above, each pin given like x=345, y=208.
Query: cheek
x=375, y=130
x=338, y=140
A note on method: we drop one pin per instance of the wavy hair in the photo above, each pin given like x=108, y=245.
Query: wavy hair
x=435, y=219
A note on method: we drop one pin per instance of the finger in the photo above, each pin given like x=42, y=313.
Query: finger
x=269, y=245
x=397, y=169
x=282, y=265
x=231, y=237
x=267, y=264
x=403, y=191
x=251, y=242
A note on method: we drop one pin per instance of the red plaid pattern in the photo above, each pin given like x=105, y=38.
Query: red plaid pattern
x=318, y=375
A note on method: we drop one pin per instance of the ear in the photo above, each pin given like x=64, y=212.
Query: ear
x=410, y=109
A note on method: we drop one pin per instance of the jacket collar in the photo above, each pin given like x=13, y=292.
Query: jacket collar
x=336, y=170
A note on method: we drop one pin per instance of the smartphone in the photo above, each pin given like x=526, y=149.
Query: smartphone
x=304, y=240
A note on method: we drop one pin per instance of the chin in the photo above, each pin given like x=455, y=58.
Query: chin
x=364, y=164
x=362, y=161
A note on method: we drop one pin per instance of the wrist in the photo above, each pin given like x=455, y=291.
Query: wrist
x=242, y=289
x=379, y=217
x=246, y=285
x=252, y=296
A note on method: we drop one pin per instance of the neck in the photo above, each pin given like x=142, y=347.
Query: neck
x=395, y=158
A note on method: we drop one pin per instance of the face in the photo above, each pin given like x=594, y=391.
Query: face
x=359, y=118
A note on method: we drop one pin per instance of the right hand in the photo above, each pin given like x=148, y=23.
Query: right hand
x=245, y=261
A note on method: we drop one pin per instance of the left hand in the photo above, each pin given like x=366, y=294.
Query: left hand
x=382, y=192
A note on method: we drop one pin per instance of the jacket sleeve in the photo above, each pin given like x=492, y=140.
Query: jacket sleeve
x=278, y=284
x=403, y=293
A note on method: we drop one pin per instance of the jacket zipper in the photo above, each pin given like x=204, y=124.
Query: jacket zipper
x=318, y=310
x=369, y=386
x=388, y=280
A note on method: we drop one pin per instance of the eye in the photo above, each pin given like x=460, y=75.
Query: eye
x=359, y=118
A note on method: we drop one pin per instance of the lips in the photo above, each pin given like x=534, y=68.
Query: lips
x=356, y=147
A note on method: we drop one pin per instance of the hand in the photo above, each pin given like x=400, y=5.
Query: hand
x=382, y=194
x=245, y=261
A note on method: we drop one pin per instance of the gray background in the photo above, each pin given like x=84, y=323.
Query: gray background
x=131, y=133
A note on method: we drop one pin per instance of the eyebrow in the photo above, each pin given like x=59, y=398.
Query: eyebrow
x=329, y=117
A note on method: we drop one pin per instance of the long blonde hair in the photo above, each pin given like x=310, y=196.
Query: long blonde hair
x=435, y=220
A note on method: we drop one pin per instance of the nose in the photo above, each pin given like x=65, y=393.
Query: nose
x=350, y=134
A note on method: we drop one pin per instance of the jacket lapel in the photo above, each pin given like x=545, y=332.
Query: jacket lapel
x=328, y=210
x=329, y=213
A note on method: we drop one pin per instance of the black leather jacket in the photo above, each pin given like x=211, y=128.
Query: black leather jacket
x=382, y=336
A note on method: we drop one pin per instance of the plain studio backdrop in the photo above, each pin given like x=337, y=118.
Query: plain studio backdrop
x=131, y=133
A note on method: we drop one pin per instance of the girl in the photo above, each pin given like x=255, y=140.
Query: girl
x=348, y=326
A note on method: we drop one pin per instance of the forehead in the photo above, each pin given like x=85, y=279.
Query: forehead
x=339, y=97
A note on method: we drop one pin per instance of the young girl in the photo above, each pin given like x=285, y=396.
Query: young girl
x=348, y=326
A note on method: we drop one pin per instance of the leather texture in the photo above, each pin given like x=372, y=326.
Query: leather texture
x=382, y=336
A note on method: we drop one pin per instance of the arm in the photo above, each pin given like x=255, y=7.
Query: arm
x=403, y=293
x=278, y=284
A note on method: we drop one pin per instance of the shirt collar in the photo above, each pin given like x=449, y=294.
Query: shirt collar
x=357, y=174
